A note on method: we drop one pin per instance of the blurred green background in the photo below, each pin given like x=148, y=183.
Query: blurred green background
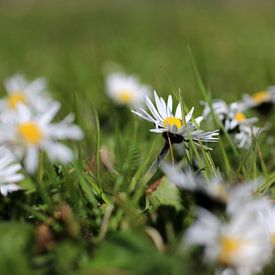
x=70, y=42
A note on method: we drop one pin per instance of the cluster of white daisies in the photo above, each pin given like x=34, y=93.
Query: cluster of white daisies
x=127, y=90
x=243, y=240
x=233, y=116
x=27, y=128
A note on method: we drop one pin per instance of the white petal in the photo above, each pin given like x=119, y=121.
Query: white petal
x=31, y=159
x=59, y=152
x=144, y=115
x=159, y=130
x=169, y=105
x=152, y=108
x=198, y=120
x=24, y=113
x=189, y=115
x=159, y=105
x=8, y=188
x=178, y=112
x=50, y=114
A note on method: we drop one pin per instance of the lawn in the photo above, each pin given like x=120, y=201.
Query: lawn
x=98, y=215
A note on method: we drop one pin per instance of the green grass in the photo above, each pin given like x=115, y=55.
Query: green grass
x=71, y=221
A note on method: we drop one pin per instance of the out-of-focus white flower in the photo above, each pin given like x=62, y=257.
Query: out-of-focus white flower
x=246, y=135
x=241, y=243
x=20, y=91
x=182, y=179
x=231, y=115
x=180, y=127
x=234, y=197
x=126, y=89
x=220, y=109
x=26, y=134
x=262, y=99
x=236, y=118
x=9, y=172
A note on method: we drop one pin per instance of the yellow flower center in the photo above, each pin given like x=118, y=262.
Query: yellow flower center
x=221, y=192
x=16, y=98
x=229, y=246
x=240, y=117
x=30, y=132
x=261, y=96
x=170, y=121
x=125, y=96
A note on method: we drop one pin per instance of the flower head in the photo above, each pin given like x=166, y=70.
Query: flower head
x=9, y=172
x=262, y=100
x=231, y=115
x=126, y=89
x=177, y=126
x=214, y=192
x=240, y=243
x=20, y=91
x=26, y=134
x=236, y=118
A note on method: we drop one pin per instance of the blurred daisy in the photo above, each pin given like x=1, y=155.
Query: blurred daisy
x=231, y=115
x=236, y=118
x=244, y=139
x=28, y=134
x=263, y=101
x=126, y=89
x=240, y=243
x=176, y=127
x=20, y=91
x=220, y=109
x=213, y=193
x=9, y=172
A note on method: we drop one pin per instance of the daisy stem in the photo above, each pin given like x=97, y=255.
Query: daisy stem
x=171, y=150
x=40, y=184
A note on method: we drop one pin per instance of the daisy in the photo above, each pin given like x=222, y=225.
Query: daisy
x=176, y=127
x=220, y=108
x=231, y=115
x=20, y=91
x=241, y=243
x=212, y=193
x=263, y=101
x=126, y=89
x=236, y=118
x=9, y=172
x=27, y=134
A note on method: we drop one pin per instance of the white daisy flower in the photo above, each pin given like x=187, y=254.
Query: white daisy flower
x=230, y=115
x=178, y=127
x=246, y=135
x=262, y=100
x=9, y=172
x=20, y=91
x=220, y=108
x=236, y=118
x=233, y=197
x=241, y=243
x=27, y=134
x=126, y=89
